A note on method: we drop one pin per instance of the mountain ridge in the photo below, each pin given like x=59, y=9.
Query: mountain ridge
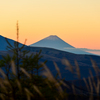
x=5, y=44
x=52, y=41
x=55, y=42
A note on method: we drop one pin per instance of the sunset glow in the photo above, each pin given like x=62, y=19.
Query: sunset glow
x=75, y=21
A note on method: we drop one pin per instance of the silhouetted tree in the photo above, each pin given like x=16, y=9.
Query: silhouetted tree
x=22, y=79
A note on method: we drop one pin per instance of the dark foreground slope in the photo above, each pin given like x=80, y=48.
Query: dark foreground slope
x=4, y=44
x=84, y=62
x=53, y=55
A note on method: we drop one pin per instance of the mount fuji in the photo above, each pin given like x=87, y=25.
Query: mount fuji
x=55, y=42
x=52, y=41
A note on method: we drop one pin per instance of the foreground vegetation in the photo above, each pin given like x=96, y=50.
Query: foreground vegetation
x=24, y=77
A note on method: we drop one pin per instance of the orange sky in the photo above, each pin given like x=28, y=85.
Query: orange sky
x=75, y=21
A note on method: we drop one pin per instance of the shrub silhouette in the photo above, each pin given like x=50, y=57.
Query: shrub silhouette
x=24, y=77
x=21, y=78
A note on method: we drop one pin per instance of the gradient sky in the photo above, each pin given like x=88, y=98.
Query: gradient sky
x=75, y=21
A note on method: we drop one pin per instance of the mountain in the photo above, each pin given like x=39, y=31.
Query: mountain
x=81, y=83
x=4, y=44
x=57, y=56
x=54, y=55
x=55, y=42
x=52, y=41
x=76, y=83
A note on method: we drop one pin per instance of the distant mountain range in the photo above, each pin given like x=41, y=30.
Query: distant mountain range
x=52, y=41
x=55, y=42
x=4, y=44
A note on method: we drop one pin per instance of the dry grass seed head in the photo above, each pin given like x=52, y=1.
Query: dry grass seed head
x=6, y=82
x=37, y=90
x=68, y=65
x=95, y=67
x=13, y=67
x=98, y=87
x=18, y=84
x=48, y=74
x=86, y=84
x=60, y=90
x=90, y=83
x=3, y=87
x=57, y=69
x=73, y=87
x=77, y=69
x=64, y=84
x=93, y=80
x=28, y=93
x=46, y=81
x=25, y=72
x=3, y=74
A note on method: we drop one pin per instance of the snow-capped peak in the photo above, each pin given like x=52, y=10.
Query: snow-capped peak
x=52, y=37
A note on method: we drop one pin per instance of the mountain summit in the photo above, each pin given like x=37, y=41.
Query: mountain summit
x=52, y=37
x=55, y=42
x=52, y=41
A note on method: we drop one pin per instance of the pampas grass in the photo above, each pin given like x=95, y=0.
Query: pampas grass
x=5, y=84
x=30, y=86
